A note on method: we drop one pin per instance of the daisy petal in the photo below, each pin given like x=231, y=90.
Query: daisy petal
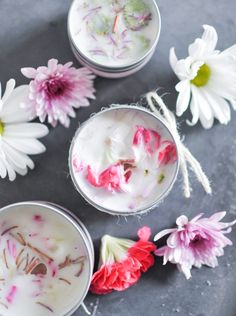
x=194, y=110
x=28, y=146
x=205, y=112
x=219, y=106
x=172, y=58
x=183, y=87
x=9, y=89
x=12, y=111
x=210, y=37
x=231, y=50
x=3, y=170
x=26, y=130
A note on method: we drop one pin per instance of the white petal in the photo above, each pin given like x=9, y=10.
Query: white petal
x=163, y=233
x=233, y=103
x=25, y=130
x=219, y=106
x=196, y=49
x=184, y=96
x=12, y=111
x=3, y=170
x=28, y=146
x=182, y=220
x=172, y=58
x=11, y=172
x=194, y=110
x=205, y=112
x=14, y=156
x=9, y=89
x=231, y=50
x=210, y=37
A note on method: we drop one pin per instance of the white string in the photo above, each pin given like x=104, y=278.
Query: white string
x=185, y=156
x=85, y=309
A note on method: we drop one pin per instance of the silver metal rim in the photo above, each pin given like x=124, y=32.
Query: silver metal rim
x=99, y=207
x=123, y=67
x=79, y=227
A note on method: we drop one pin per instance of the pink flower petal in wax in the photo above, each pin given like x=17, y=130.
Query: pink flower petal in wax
x=148, y=137
x=11, y=294
x=168, y=154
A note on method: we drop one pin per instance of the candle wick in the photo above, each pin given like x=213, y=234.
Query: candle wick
x=115, y=23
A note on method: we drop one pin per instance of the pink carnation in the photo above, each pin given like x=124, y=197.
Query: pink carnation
x=56, y=89
x=195, y=243
x=122, y=262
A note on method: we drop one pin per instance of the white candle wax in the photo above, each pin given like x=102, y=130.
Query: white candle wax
x=123, y=160
x=44, y=265
x=114, y=33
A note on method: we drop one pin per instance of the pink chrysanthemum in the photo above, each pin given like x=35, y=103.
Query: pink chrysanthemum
x=56, y=89
x=195, y=243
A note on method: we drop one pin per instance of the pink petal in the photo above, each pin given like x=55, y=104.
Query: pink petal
x=217, y=216
x=144, y=233
x=29, y=72
x=182, y=220
x=163, y=233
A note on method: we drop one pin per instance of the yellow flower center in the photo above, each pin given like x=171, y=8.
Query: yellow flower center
x=202, y=77
x=1, y=127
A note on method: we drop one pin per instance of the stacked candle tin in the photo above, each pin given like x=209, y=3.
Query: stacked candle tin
x=114, y=38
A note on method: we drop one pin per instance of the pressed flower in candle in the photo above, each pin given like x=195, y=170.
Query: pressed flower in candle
x=122, y=261
x=56, y=90
x=207, y=80
x=45, y=263
x=196, y=242
x=119, y=168
x=18, y=137
x=114, y=37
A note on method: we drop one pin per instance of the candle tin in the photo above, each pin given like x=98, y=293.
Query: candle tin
x=71, y=219
x=100, y=207
x=108, y=68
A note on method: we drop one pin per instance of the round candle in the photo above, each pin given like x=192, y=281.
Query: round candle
x=45, y=265
x=114, y=33
x=123, y=160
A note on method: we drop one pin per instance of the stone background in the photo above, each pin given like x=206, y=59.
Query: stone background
x=32, y=32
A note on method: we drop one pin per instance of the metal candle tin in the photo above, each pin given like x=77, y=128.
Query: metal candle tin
x=88, y=199
x=71, y=219
x=115, y=71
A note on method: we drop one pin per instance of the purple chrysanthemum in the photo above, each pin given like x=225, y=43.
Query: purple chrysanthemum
x=56, y=89
x=195, y=243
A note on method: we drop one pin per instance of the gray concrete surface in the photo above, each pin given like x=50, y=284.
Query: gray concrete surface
x=31, y=32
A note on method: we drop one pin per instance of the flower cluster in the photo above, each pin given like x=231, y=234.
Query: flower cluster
x=122, y=261
x=196, y=242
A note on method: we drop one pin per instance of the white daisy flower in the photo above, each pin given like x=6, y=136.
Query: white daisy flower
x=18, y=138
x=207, y=80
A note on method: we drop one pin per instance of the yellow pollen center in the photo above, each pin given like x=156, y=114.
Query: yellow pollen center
x=202, y=77
x=1, y=127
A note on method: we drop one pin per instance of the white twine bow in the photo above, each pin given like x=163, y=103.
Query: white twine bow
x=185, y=155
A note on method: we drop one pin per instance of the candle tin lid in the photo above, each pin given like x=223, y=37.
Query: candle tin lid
x=94, y=156
x=114, y=35
x=50, y=255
